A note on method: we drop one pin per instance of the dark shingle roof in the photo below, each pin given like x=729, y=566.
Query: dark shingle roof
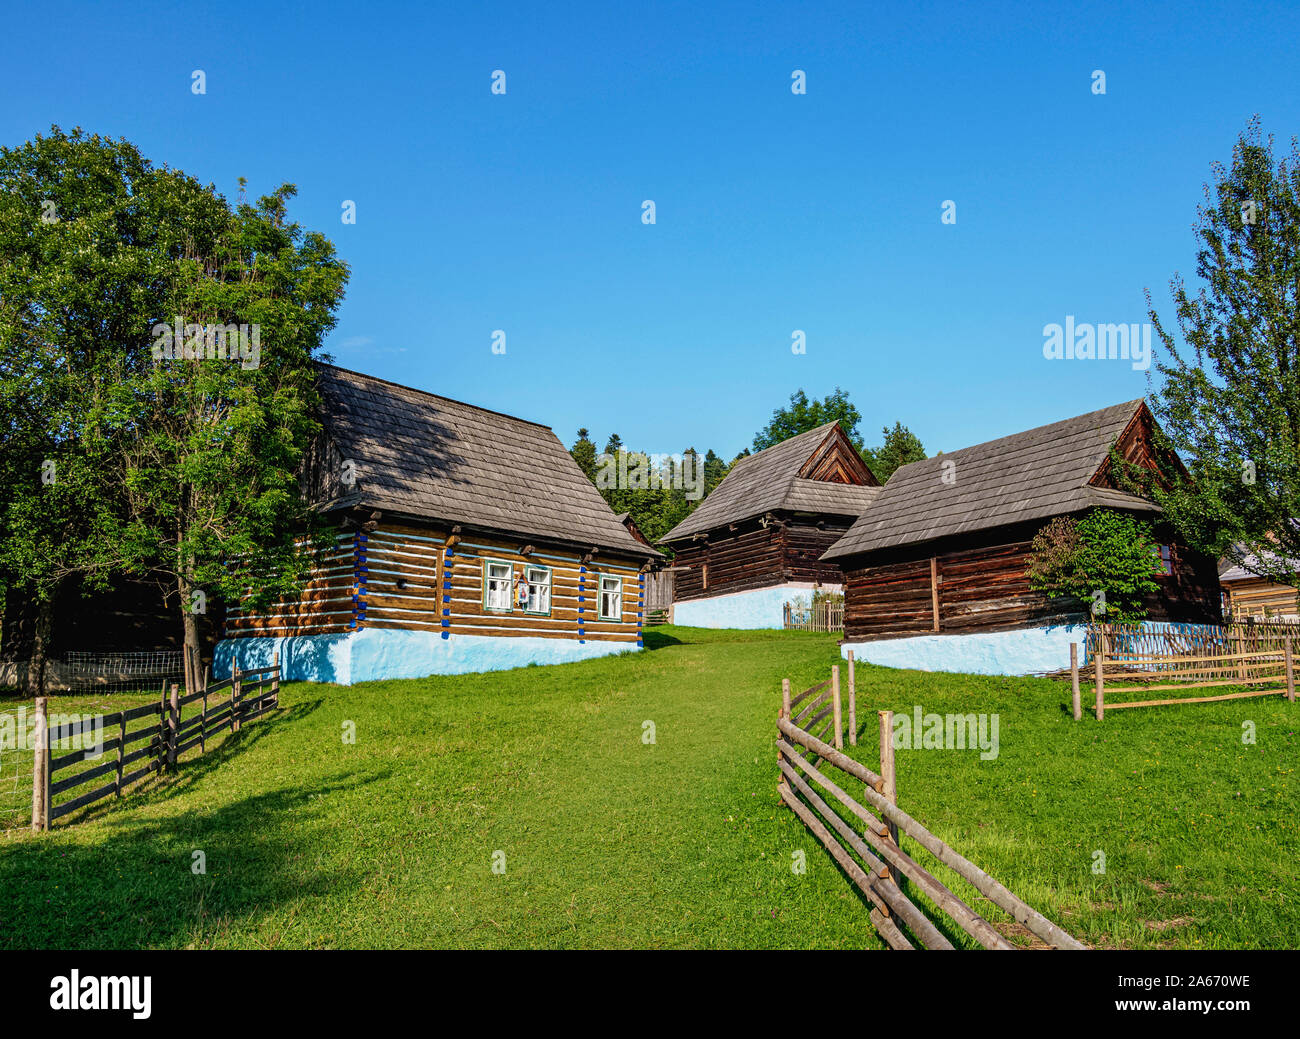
x=1032, y=475
x=768, y=481
x=439, y=459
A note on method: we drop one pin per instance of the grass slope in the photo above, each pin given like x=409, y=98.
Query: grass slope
x=612, y=842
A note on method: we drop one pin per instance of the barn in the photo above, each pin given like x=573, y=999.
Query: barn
x=943, y=549
x=758, y=540
x=1248, y=596
x=460, y=540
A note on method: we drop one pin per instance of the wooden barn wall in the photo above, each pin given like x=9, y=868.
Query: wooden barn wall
x=756, y=557
x=131, y=617
x=1260, y=599
x=749, y=558
x=980, y=583
x=805, y=543
x=402, y=576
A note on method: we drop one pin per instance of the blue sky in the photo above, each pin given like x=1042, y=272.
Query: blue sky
x=774, y=212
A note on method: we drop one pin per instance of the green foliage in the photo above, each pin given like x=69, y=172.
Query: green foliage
x=182, y=469
x=1106, y=561
x=1229, y=404
x=900, y=447
x=804, y=414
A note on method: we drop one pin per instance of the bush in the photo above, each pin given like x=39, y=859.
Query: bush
x=1106, y=561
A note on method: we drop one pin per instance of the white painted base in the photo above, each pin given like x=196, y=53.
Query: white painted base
x=379, y=653
x=756, y=608
x=1025, y=651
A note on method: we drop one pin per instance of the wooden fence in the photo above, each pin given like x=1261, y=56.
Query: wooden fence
x=822, y=616
x=162, y=737
x=875, y=861
x=1139, y=642
x=1203, y=665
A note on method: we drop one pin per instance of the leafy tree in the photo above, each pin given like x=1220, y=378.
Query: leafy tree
x=87, y=230
x=1106, y=561
x=1229, y=405
x=900, y=447
x=804, y=414
x=195, y=456
x=614, y=445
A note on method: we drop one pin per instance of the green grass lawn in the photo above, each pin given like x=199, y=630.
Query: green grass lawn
x=612, y=842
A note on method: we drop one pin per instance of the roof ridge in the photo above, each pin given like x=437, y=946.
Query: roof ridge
x=429, y=393
x=782, y=443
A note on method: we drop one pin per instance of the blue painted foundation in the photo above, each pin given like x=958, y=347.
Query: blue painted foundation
x=1024, y=652
x=376, y=653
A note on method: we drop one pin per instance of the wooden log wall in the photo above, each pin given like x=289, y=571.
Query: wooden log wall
x=401, y=576
x=329, y=603
x=754, y=556
x=980, y=582
x=1260, y=599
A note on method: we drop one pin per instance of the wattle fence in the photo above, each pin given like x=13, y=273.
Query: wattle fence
x=1211, y=662
x=146, y=739
x=821, y=616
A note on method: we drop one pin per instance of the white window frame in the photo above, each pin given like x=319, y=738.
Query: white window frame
x=617, y=615
x=489, y=580
x=545, y=585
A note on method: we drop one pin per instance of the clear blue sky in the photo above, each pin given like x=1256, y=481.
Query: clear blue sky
x=775, y=212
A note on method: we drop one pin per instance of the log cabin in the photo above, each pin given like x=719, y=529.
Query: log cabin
x=758, y=540
x=943, y=549
x=1249, y=596
x=460, y=540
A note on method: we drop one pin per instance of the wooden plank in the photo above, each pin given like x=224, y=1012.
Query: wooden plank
x=835, y=702
x=1075, y=705
x=1196, y=699
x=853, y=706
x=934, y=590
x=83, y=800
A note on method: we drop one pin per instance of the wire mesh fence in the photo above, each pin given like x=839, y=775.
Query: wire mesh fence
x=135, y=672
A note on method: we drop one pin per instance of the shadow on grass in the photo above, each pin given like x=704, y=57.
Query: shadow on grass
x=658, y=639
x=134, y=886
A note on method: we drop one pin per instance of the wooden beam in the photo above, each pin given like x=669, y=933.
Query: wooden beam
x=934, y=590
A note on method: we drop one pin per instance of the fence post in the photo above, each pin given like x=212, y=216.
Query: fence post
x=173, y=723
x=41, y=767
x=1074, y=681
x=781, y=782
x=889, y=789
x=1098, y=659
x=121, y=751
x=275, y=681
x=203, y=713
x=234, y=697
x=1290, y=672
x=853, y=706
x=835, y=706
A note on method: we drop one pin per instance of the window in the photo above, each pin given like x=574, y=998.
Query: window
x=1165, y=560
x=611, y=598
x=539, y=589
x=496, y=585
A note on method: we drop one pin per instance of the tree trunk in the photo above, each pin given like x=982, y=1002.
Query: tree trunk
x=192, y=650
x=41, y=644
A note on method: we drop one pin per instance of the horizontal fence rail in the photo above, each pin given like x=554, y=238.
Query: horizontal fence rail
x=129, y=745
x=1243, y=667
x=813, y=771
